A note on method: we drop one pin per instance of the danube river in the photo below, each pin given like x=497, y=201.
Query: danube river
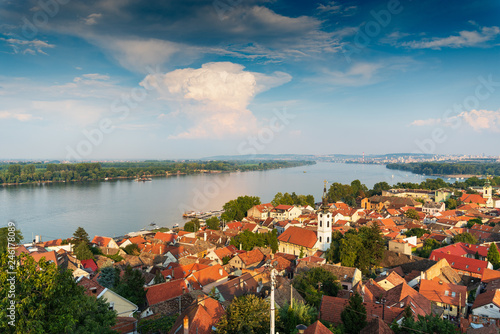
x=114, y=208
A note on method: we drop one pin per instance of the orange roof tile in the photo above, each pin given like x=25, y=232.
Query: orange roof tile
x=165, y=291
x=446, y=293
x=299, y=236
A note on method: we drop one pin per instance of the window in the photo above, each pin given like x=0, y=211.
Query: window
x=467, y=266
x=111, y=306
x=320, y=240
x=453, y=294
x=327, y=239
x=321, y=215
x=320, y=223
x=327, y=224
x=446, y=293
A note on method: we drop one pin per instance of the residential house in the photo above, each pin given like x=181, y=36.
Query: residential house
x=237, y=287
x=451, y=297
x=122, y=306
x=200, y=318
x=220, y=253
x=316, y=328
x=296, y=240
x=433, y=207
x=285, y=212
x=260, y=211
x=104, y=242
x=247, y=260
x=168, y=238
x=207, y=278
x=332, y=307
x=163, y=292
x=487, y=304
x=404, y=246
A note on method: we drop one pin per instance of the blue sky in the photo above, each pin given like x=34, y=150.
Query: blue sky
x=188, y=79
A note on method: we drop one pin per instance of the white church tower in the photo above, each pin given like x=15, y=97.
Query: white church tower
x=488, y=194
x=325, y=218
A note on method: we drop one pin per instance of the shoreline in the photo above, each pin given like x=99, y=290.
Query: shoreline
x=167, y=174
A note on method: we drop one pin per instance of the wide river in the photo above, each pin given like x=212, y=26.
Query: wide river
x=115, y=208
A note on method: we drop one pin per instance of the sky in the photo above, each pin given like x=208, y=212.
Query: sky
x=128, y=79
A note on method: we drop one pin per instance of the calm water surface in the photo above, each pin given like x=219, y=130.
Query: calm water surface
x=118, y=207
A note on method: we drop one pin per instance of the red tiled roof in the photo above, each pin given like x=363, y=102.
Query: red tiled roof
x=101, y=241
x=49, y=256
x=317, y=328
x=283, y=207
x=234, y=226
x=249, y=227
x=89, y=264
x=52, y=243
x=332, y=307
x=166, y=237
x=201, y=316
x=157, y=249
x=264, y=207
x=137, y=240
x=226, y=251
x=314, y=259
x=251, y=257
x=165, y=291
x=487, y=298
x=299, y=236
x=446, y=293
x=490, y=275
x=472, y=198
x=92, y=288
x=460, y=263
x=210, y=275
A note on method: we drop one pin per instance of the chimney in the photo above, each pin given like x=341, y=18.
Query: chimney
x=220, y=271
x=301, y=328
x=241, y=283
x=205, y=236
x=240, y=246
x=186, y=325
x=200, y=300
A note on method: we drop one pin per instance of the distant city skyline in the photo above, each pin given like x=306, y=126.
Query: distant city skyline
x=192, y=79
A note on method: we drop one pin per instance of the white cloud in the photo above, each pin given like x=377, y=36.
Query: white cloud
x=214, y=97
x=27, y=47
x=140, y=54
x=92, y=19
x=482, y=120
x=20, y=116
x=479, y=120
x=75, y=111
x=463, y=39
x=357, y=75
x=334, y=7
x=426, y=122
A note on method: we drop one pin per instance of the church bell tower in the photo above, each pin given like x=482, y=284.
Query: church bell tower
x=325, y=218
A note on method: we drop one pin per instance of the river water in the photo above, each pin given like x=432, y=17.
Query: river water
x=114, y=208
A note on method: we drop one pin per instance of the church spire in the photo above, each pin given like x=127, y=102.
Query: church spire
x=324, y=205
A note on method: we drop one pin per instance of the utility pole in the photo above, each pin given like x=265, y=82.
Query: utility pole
x=273, y=282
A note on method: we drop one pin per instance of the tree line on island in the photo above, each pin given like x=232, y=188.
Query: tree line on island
x=450, y=168
x=69, y=172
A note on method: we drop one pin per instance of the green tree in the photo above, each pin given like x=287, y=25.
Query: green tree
x=131, y=286
x=79, y=236
x=236, y=209
x=157, y=325
x=83, y=252
x=354, y=315
x=132, y=249
x=416, y=231
x=246, y=314
x=315, y=283
x=48, y=300
x=429, y=324
x=10, y=235
x=213, y=223
x=109, y=277
x=412, y=214
x=494, y=255
x=379, y=187
x=290, y=317
x=474, y=221
x=349, y=248
x=451, y=204
x=429, y=246
x=465, y=237
x=372, y=248
x=192, y=225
